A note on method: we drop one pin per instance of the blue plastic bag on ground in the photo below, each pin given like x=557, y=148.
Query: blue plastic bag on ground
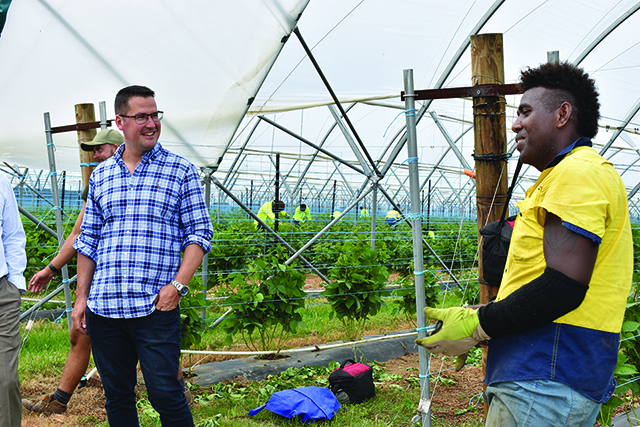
x=311, y=403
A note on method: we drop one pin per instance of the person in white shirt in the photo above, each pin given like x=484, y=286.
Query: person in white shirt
x=13, y=261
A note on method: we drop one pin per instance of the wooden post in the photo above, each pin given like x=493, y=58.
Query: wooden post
x=487, y=66
x=490, y=136
x=85, y=113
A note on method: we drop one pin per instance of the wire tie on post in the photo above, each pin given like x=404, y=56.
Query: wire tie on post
x=418, y=273
x=88, y=165
x=413, y=216
x=410, y=113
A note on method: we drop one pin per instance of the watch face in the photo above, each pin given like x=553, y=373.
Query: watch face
x=182, y=289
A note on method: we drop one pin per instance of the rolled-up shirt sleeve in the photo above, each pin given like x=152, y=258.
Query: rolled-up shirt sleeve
x=195, y=220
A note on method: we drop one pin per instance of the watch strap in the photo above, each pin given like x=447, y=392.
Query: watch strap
x=180, y=287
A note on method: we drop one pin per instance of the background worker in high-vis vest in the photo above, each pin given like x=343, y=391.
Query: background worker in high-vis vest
x=302, y=214
x=392, y=218
x=554, y=328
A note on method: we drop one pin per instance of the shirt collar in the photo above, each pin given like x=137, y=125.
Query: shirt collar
x=153, y=154
x=149, y=155
x=583, y=141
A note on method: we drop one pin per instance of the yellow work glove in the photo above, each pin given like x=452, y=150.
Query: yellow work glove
x=460, y=332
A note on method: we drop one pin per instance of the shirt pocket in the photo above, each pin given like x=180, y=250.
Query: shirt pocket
x=526, y=240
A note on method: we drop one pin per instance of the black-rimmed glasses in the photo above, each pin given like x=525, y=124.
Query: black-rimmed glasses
x=143, y=117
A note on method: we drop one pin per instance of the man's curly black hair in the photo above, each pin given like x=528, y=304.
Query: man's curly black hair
x=570, y=84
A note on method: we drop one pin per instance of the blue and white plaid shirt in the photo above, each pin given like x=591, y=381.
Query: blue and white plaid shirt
x=136, y=225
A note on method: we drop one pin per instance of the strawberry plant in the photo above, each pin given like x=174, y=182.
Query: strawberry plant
x=191, y=306
x=265, y=304
x=357, y=286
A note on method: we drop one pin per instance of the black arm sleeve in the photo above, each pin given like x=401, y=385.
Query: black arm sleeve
x=534, y=305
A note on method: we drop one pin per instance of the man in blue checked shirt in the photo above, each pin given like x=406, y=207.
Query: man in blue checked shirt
x=145, y=207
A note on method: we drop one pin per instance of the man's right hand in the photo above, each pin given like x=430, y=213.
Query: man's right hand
x=78, y=318
x=40, y=280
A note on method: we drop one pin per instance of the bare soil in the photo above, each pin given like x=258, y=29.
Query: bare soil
x=455, y=396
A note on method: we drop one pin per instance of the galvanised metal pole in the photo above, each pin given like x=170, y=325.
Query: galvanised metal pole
x=418, y=257
x=251, y=197
x=333, y=199
x=219, y=202
x=374, y=214
x=205, y=259
x=277, y=199
x=58, y=212
x=429, y=205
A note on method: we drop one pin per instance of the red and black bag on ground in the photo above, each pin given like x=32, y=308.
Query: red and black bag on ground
x=352, y=382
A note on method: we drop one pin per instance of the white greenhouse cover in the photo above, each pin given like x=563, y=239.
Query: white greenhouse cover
x=205, y=60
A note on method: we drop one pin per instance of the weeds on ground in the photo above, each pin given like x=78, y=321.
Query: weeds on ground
x=228, y=403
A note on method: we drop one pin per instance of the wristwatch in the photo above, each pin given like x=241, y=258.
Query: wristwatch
x=182, y=289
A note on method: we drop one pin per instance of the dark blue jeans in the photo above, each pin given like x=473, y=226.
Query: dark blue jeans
x=154, y=340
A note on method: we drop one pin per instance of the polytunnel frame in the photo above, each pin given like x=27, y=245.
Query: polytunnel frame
x=375, y=185
x=369, y=167
x=596, y=41
x=407, y=137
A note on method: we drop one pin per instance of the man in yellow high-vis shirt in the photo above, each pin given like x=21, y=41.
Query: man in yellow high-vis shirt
x=554, y=328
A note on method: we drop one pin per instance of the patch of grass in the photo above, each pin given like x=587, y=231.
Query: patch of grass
x=45, y=348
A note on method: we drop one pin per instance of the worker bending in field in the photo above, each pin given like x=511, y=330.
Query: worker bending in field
x=302, y=214
x=393, y=218
x=554, y=328
x=268, y=211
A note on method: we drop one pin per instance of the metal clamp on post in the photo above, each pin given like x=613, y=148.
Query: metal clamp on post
x=491, y=157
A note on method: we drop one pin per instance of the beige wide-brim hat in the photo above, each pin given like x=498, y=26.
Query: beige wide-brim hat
x=105, y=136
